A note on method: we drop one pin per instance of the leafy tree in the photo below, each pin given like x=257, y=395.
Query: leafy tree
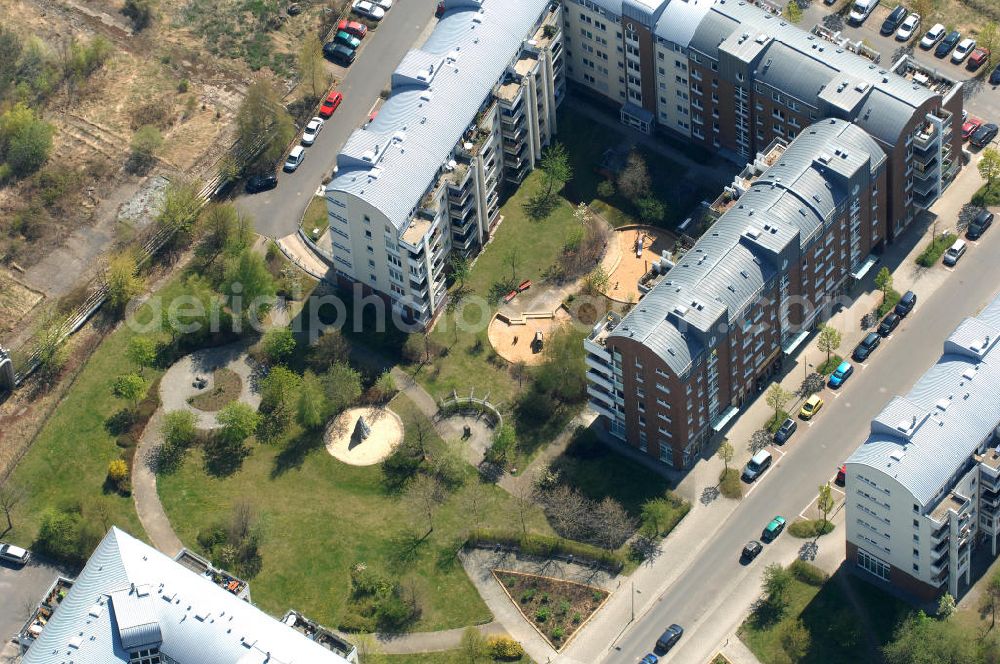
x=146, y=142
x=48, y=348
x=130, y=387
x=655, y=514
x=278, y=344
x=563, y=373
x=556, y=168
x=384, y=388
x=651, y=210
x=825, y=502
x=597, y=281
x=181, y=205
x=140, y=11
x=179, y=428
x=726, y=453
x=922, y=640
x=988, y=37
x=460, y=268
x=990, y=599
x=312, y=405
x=141, y=352
x=343, y=387
x=279, y=386
x=793, y=635
x=312, y=71
x=776, y=398
x=634, y=181
x=67, y=536
x=776, y=584
x=123, y=280
x=829, y=340
x=793, y=12
x=226, y=230
x=946, y=606
x=11, y=48
x=883, y=280
x=263, y=118
x=239, y=421
x=249, y=286
x=25, y=140
x=989, y=166
x=474, y=647
x=503, y=445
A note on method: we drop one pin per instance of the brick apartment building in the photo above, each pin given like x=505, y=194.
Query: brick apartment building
x=923, y=490
x=714, y=326
x=469, y=110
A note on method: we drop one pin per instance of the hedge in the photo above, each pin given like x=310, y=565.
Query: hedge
x=808, y=529
x=808, y=573
x=546, y=546
x=930, y=255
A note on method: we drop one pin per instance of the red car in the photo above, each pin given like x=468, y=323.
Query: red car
x=841, y=475
x=359, y=30
x=970, y=127
x=978, y=58
x=330, y=104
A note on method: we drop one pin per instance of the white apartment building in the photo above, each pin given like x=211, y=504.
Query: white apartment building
x=923, y=490
x=468, y=110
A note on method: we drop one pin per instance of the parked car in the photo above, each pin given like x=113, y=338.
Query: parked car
x=14, y=554
x=984, y=135
x=359, y=30
x=867, y=346
x=347, y=39
x=979, y=57
x=773, y=529
x=949, y=42
x=650, y=658
x=841, y=374
x=963, y=50
x=811, y=406
x=384, y=5
x=909, y=27
x=893, y=20
x=756, y=466
x=906, y=304
x=751, y=550
x=368, y=10
x=860, y=10
x=669, y=638
x=785, y=431
x=295, y=159
x=339, y=54
x=932, y=36
x=970, y=126
x=259, y=183
x=954, y=253
x=311, y=131
x=841, y=478
x=888, y=324
x=979, y=225
x=330, y=104
x=995, y=75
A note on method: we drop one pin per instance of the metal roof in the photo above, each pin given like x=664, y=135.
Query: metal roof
x=925, y=437
x=729, y=265
x=130, y=595
x=680, y=19
x=436, y=92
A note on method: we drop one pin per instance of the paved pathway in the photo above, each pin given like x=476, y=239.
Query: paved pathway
x=176, y=386
x=147, y=501
x=417, y=642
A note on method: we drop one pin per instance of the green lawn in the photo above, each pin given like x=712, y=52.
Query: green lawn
x=321, y=516
x=988, y=195
x=316, y=218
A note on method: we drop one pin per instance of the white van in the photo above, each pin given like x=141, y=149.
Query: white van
x=955, y=252
x=860, y=10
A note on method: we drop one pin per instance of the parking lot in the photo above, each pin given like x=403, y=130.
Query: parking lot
x=21, y=588
x=981, y=99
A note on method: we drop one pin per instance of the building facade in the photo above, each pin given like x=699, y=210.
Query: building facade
x=469, y=110
x=923, y=490
x=715, y=323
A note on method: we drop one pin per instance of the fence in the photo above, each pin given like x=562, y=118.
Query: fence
x=471, y=405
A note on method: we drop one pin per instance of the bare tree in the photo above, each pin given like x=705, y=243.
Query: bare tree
x=478, y=500
x=634, y=181
x=524, y=498
x=611, y=524
x=10, y=496
x=426, y=494
x=568, y=511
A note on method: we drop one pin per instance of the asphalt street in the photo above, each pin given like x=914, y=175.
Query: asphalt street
x=696, y=600
x=277, y=212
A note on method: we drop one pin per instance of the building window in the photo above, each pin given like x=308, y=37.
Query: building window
x=666, y=454
x=870, y=563
x=642, y=441
x=916, y=567
x=916, y=508
x=151, y=656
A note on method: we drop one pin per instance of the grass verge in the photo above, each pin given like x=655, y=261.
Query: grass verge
x=729, y=484
x=932, y=253
x=829, y=366
x=316, y=220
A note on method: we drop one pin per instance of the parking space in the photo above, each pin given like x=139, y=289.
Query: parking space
x=21, y=588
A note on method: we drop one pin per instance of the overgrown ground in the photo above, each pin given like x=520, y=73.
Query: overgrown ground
x=556, y=608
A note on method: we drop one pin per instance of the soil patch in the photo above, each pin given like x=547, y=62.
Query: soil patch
x=556, y=608
x=225, y=388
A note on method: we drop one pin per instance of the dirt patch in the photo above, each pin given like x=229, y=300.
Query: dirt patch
x=225, y=388
x=557, y=609
x=16, y=300
x=623, y=285
x=515, y=343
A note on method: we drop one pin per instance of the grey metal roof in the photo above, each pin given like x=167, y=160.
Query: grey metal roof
x=713, y=29
x=131, y=595
x=922, y=439
x=729, y=265
x=801, y=78
x=680, y=19
x=436, y=92
x=647, y=11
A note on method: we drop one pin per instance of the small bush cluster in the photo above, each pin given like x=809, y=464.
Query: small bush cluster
x=505, y=648
x=378, y=602
x=808, y=573
x=807, y=529
x=547, y=546
x=932, y=253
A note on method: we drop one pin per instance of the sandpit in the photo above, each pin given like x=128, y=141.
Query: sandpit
x=513, y=342
x=624, y=279
x=345, y=445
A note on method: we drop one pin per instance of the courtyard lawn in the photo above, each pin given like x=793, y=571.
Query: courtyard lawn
x=321, y=516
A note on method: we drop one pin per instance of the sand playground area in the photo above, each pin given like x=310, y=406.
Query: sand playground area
x=345, y=442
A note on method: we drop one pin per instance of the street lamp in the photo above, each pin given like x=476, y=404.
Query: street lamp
x=805, y=368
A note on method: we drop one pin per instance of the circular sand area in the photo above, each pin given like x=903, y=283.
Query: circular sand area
x=344, y=443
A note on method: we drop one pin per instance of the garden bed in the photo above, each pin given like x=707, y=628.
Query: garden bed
x=226, y=388
x=556, y=608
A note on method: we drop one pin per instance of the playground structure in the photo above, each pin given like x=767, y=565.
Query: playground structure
x=364, y=436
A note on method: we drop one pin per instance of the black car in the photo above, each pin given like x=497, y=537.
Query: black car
x=751, y=550
x=261, y=183
x=979, y=225
x=906, y=304
x=785, y=431
x=669, y=638
x=949, y=42
x=984, y=135
x=892, y=21
x=866, y=347
x=338, y=53
x=888, y=324
x=995, y=76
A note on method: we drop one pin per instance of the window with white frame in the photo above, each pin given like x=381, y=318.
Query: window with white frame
x=870, y=563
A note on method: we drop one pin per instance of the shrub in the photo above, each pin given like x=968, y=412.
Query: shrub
x=505, y=648
x=118, y=475
x=542, y=614
x=889, y=301
x=67, y=536
x=930, y=255
x=527, y=595
x=808, y=573
x=141, y=13
x=546, y=546
x=807, y=529
x=729, y=484
x=558, y=633
x=577, y=618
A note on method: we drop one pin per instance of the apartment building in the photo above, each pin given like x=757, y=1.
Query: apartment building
x=467, y=112
x=732, y=76
x=134, y=605
x=714, y=324
x=923, y=490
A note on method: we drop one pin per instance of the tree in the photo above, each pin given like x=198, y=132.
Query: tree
x=10, y=497
x=922, y=640
x=812, y=384
x=25, y=141
x=460, y=268
x=279, y=386
x=883, y=281
x=987, y=37
x=502, y=448
x=330, y=347
x=141, y=13
x=829, y=340
x=597, y=281
x=425, y=494
x=825, y=502
x=793, y=12
x=556, y=169
x=776, y=583
x=606, y=189
x=946, y=606
x=562, y=375
x=777, y=397
x=312, y=72
x=277, y=344
x=123, y=280
x=760, y=439
x=262, y=118
x=226, y=230
x=48, y=347
x=312, y=405
x=725, y=453
x=925, y=8
x=611, y=524
x=655, y=514
x=989, y=166
x=793, y=635
x=249, y=286
x=146, y=142
x=513, y=259
x=651, y=210
x=634, y=181
x=179, y=429
x=239, y=421
x=141, y=352
x=343, y=387
x=181, y=204
x=474, y=647
x=383, y=389
x=991, y=598
x=130, y=387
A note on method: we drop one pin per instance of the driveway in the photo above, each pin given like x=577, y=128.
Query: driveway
x=21, y=589
x=276, y=213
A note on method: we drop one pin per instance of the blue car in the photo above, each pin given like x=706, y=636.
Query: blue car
x=650, y=659
x=843, y=372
